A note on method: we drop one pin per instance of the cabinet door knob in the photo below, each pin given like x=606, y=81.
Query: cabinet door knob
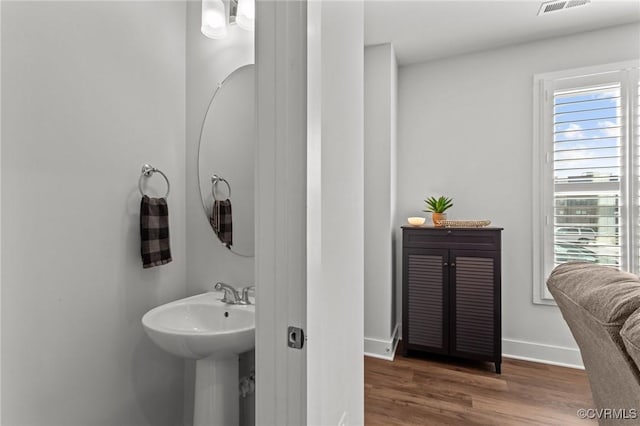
x=445, y=264
x=448, y=232
x=453, y=265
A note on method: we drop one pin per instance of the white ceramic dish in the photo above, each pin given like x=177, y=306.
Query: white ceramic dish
x=416, y=221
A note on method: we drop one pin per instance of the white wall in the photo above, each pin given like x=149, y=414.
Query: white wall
x=396, y=234
x=380, y=87
x=0, y=213
x=335, y=307
x=208, y=63
x=91, y=91
x=465, y=131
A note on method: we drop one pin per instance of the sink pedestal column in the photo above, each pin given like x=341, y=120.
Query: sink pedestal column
x=216, y=393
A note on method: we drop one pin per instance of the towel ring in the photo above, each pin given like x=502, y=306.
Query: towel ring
x=148, y=171
x=215, y=179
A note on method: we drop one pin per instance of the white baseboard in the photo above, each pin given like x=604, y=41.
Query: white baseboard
x=545, y=354
x=538, y=352
x=384, y=349
x=529, y=351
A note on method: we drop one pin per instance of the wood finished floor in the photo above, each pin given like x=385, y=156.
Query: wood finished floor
x=437, y=391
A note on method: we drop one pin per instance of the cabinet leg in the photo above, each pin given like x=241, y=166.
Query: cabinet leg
x=498, y=367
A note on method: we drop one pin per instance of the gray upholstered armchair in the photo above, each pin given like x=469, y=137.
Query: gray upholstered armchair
x=601, y=305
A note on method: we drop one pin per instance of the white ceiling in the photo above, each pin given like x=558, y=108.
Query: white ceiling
x=423, y=30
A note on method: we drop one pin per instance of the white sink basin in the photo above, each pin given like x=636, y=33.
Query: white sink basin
x=202, y=326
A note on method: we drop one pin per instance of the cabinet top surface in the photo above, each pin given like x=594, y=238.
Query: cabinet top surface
x=446, y=228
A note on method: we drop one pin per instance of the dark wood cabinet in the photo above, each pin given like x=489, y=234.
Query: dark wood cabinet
x=451, y=292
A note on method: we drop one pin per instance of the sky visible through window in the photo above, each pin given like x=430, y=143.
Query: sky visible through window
x=587, y=130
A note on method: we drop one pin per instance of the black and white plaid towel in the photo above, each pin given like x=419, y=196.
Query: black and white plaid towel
x=154, y=232
x=221, y=221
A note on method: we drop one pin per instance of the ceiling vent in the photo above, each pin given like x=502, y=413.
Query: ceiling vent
x=553, y=6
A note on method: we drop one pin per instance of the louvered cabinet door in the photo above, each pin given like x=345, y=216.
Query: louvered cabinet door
x=475, y=304
x=451, y=292
x=425, y=317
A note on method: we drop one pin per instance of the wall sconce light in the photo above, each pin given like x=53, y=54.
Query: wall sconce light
x=214, y=19
x=214, y=16
x=246, y=14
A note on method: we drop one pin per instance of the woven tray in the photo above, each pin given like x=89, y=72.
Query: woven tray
x=463, y=223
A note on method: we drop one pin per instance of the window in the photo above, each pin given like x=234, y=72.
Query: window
x=586, y=169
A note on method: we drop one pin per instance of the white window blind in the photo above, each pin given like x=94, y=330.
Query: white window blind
x=587, y=169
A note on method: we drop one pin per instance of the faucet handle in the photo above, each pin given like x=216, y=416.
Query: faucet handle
x=245, y=294
x=230, y=293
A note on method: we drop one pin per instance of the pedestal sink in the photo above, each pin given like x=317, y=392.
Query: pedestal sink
x=203, y=328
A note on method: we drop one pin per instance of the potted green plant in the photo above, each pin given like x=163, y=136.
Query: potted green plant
x=437, y=207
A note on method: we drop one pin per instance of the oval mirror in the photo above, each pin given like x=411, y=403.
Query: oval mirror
x=226, y=161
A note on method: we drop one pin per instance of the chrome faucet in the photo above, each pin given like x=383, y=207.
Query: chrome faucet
x=231, y=295
x=244, y=299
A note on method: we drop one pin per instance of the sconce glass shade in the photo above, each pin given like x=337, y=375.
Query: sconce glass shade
x=246, y=14
x=214, y=19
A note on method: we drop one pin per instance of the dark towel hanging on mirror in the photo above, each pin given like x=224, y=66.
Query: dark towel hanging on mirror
x=221, y=221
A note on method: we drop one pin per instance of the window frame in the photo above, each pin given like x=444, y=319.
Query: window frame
x=544, y=86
